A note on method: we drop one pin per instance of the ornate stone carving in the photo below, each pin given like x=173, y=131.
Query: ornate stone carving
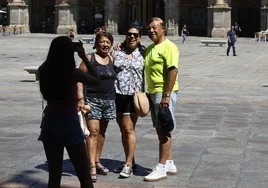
x=15, y=1
x=219, y=2
x=62, y=2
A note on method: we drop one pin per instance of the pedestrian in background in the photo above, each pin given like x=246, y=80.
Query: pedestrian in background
x=161, y=68
x=184, y=33
x=60, y=127
x=231, y=40
x=237, y=28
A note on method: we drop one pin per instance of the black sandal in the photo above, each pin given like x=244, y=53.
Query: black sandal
x=102, y=170
x=94, y=177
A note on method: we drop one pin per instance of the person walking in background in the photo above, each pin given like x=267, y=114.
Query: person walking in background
x=184, y=33
x=60, y=127
x=83, y=26
x=237, y=28
x=161, y=68
x=231, y=41
x=101, y=100
x=128, y=61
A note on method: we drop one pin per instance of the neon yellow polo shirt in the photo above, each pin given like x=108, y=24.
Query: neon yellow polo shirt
x=158, y=58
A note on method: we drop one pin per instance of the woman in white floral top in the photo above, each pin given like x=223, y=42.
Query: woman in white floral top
x=128, y=62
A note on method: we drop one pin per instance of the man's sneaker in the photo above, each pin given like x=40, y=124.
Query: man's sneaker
x=158, y=173
x=126, y=171
x=171, y=169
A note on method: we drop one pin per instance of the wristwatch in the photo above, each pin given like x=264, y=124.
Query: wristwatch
x=166, y=95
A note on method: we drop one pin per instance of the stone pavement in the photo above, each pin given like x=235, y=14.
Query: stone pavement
x=221, y=139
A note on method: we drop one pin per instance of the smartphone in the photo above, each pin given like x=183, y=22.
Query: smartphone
x=77, y=44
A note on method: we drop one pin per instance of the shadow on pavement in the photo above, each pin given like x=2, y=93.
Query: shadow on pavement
x=27, y=81
x=111, y=164
x=23, y=179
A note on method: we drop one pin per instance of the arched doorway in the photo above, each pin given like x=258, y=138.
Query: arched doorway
x=158, y=9
x=247, y=15
x=42, y=18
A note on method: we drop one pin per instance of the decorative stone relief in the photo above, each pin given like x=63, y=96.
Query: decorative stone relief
x=112, y=11
x=15, y=1
x=172, y=10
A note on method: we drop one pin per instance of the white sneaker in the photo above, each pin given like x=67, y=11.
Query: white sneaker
x=157, y=174
x=126, y=171
x=170, y=168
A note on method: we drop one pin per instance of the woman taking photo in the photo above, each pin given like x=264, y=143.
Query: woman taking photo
x=60, y=127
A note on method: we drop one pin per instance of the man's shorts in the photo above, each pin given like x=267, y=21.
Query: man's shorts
x=124, y=104
x=155, y=102
x=101, y=108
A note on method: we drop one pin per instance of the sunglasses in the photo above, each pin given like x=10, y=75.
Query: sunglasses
x=136, y=35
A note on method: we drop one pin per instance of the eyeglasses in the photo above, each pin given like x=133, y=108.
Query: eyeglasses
x=136, y=35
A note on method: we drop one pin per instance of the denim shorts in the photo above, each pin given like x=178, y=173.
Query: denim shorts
x=61, y=128
x=156, y=100
x=101, y=108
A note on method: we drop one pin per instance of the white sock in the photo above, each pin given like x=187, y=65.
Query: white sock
x=169, y=162
x=161, y=165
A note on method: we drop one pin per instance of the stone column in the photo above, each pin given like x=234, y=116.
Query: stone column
x=219, y=19
x=264, y=15
x=18, y=14
x=112, y=15
x=172, y=11
x=65, y=17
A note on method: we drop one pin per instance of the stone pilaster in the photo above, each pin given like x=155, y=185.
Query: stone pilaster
x=112, y=11
x=264, y=15
x=219, y=19
x=18, y=14
x=172, y=11
x=65, y=17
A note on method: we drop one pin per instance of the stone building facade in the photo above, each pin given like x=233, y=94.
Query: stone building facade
x=203, y=17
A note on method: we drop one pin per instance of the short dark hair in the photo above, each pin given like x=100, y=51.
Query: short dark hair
x=161, y=22
x=103, y=34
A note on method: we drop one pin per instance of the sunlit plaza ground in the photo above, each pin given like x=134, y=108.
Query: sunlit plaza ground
x=222, y=113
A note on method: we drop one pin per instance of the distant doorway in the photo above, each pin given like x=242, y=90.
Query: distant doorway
x=247, y=15
x=42, y=18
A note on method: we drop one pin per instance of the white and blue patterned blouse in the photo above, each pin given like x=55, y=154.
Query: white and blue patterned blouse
x=124, y=83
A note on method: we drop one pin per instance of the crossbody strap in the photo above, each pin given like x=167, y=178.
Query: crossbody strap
x=131, y=74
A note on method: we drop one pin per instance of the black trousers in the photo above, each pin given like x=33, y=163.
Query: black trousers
x=79, y=158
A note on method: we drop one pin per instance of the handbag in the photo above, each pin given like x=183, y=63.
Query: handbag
x=141, y=101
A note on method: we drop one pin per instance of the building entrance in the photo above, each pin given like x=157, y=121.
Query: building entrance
x=247, y=15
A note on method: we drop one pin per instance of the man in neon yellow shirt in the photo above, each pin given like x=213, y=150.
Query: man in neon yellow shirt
x=161, y=67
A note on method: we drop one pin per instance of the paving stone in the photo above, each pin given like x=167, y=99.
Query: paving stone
x=221, y=115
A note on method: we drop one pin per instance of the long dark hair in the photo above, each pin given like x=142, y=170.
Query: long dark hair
x=56, y=72
x=140, y=47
